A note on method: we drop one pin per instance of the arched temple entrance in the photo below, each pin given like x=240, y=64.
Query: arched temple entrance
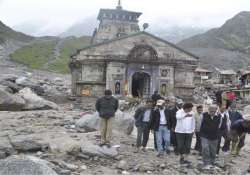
x=140, y=84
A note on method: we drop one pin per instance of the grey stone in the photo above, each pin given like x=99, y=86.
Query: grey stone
x=69, y=166
x=123, y=122
x=25, y=165
x=146, y=167
x=89, y=122
x=34, y=102
x=5, y=147
x=10, y=102
x=24, y=82
x=14, y=87
x=6, y=89
x=24, y=144
x=123, y=165
x=95, y=150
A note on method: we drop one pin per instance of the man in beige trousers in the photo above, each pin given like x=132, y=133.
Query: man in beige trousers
x=106, y=106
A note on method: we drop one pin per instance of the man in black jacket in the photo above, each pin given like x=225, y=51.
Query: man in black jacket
x=161, y=124
x=209, y=132
x=143, y=117
x=106, y=107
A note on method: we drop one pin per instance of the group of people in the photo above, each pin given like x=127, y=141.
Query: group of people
x=174, y=123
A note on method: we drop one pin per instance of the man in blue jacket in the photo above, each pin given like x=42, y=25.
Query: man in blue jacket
x=106, y=106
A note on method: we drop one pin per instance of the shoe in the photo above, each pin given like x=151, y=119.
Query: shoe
x=159, y=155
x=137, y=150
x=206, y=167
x=143, y=149
x=108, y=145
x=168, y=152
x=187, y=162
x=102, y=144
x=182, y=161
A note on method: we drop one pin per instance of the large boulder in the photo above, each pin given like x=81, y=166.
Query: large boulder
x=25, y=165
x=34, y=102
x=23, y=143
x=123, y=122
x=10, y=102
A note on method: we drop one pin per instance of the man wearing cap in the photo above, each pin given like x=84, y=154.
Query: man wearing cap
x=161, y=125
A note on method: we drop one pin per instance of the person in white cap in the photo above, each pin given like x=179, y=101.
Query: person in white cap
x=161, y=125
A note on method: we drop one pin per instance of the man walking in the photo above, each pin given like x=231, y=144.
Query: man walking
x=106, y=106
x=161, y=125
x=143, y=117
x=209, y=132
x=184, y=129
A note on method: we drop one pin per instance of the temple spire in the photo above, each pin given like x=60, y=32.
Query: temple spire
x=119, y=6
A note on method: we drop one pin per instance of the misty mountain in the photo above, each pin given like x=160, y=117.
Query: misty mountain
x=6, y=33
x=82, y=28
x=168, y=32
x=176, y=33
x=11, y=40
x=227, y=46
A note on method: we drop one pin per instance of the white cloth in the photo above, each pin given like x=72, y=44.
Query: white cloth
x=225, y=114
x=163, y=117
x=198, y=119
x=184, y=124
x=146, y=116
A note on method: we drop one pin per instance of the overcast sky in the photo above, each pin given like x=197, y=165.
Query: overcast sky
x=60, y=14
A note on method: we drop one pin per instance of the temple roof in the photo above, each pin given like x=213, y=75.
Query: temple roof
x=132, y=35
x=117, y=11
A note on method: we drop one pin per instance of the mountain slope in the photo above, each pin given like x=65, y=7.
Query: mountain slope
x=50, y=54
x=230, y=43
x=6, y=33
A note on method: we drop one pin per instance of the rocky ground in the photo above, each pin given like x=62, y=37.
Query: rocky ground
x=56, y=137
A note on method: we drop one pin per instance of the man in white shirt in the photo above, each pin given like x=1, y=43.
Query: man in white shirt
x=184, y=129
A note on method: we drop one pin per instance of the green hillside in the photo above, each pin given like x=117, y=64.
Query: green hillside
x=70, y=46
x=35, y=55
x=42, y=54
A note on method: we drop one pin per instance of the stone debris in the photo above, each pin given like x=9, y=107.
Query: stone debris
x=24, y=165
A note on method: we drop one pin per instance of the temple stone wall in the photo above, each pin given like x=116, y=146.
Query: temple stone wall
x=125, y=45
x=116, y=74
x=93, y=72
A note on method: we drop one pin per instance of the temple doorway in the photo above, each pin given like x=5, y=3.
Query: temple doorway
x=140, y=84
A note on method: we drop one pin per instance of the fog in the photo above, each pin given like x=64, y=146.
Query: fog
x=53, y=17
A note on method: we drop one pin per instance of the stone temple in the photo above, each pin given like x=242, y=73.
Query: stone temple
x=129, y=61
